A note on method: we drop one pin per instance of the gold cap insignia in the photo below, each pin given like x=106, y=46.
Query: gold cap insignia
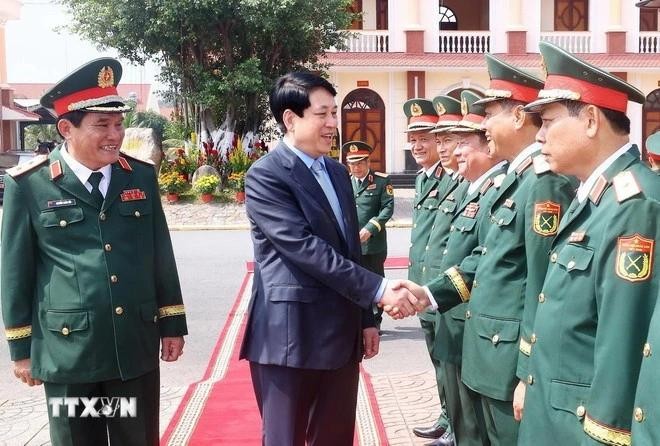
x=464, y=106
x=352, y=148
x=106, y=77
x=544, y=67
x=440, y=109
x=415, y=109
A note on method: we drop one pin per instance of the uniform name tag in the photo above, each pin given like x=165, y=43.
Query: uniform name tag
x=133, y=195
x=576, y=237
x=60, y=203
x=371, y=187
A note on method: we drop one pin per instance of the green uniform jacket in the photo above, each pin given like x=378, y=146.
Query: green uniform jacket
x=646, y=414
x=428, y=195
x=374, y=200
x=593, y=313
x=87, y=293
x=470, y=221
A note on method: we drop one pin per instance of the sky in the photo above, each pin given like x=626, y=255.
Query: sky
x=37, y=53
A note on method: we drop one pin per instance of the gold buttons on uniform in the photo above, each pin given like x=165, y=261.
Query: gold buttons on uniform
x=444, y=252
x=65, y=331
x=119, y=311
x=63, y=223
x=495, y=339
x=646, y=351
x=107, y=247
x=474, y=284
x=638, y=413
x=451, y=228
x=155, y=319
x=580, y=411
x=483, y=253
x=533, y=339
x=419, y=206
x=553, y=257
x=541, y=298
x=530, y=379
x=114, y=279
x=501, y=221
x=468, y=315
x=137, y=214
x=423, y=268
x=102, y=216
x=427, y=248
x=571, y=265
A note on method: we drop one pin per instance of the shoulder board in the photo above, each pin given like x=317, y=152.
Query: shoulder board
x=486, y=186
x=625, y=186
x=540, y=164
x=438, y=172
x=26, y=167
x=498, y=180
x=524, y=165
x=597, y=190
x=132, y=158
x=381, y=174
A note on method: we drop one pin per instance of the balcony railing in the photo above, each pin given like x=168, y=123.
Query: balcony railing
x=572, y=41
x=361, y=41
x=464, y=42
x=649, y=42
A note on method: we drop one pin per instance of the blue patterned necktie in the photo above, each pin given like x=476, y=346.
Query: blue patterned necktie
x=321, y=175
x=95, y=179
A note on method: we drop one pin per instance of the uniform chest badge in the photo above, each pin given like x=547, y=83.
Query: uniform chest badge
x=634, y=258
x=471, y=210
x=389, y=190
x=546, y=218
x=133, y=195
x=577, y=237
x=371, y=187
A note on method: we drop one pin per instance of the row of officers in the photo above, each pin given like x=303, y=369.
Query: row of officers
x=534, y=229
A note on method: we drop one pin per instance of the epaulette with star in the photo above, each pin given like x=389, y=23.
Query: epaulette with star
x=19, y=170
x=381, y=174
x=625, y=186
x=540, y=164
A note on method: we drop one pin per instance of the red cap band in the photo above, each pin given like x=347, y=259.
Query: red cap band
x=453, y=118
x=474, y=118
x=589, y=93
x=518, y=92
x=61, y=105
x=431, y=119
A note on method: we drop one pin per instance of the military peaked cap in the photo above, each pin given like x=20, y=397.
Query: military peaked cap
x=508, y=82
x=449, y=113
x=356, y=151
x=653, y=146
x=91, y=88
x=473, y=113
x=570, y=78
x=421, y=114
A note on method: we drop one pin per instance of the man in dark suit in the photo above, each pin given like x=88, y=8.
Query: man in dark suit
x=310, y=320
x=89, y=282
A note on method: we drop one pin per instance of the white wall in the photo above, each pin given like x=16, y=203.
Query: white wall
x=498, y=19
x=369, y=14
x=547, y=15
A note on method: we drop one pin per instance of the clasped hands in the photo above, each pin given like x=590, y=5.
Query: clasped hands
x=403, y=298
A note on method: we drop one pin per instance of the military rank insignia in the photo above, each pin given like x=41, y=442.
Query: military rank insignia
x=433, y=193
x=133, y=195
x=634, y=258
x=371, y=186
x=471, y=210
x=389, y=190
x=546, y=218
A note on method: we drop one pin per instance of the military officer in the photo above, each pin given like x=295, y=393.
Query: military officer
x=503, y=276
x=482, y=173
x=89, y=282
x=601, y=286
x=374, y=199
x=431, y=187
x=653, y=151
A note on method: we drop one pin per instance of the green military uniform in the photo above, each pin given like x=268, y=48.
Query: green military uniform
x=601, y=285
x=653, y=151
x=374, y=200
x=88, y=289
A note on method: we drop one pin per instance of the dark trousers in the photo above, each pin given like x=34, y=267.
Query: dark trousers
x=428, y=327
x=141, y=430
x=376, y=264
x=464, y=415
x=298, y=405
x=502, y=428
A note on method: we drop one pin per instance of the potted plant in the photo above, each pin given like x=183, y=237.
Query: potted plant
x=172, y=183
x=205, y=186
x=237, y=181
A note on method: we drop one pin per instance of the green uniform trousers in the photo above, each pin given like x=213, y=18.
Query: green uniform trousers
x=78, y=430
x=461, y=400
x=498, y=421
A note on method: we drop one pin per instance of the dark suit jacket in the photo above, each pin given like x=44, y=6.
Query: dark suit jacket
x=309, y=295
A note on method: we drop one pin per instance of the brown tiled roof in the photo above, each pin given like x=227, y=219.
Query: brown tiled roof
x=431, y=61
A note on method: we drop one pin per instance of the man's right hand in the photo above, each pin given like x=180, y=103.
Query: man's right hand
x=22, y=372
x=400, y=301
x=423, y=301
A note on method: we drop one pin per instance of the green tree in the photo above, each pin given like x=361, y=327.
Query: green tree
x=218, y=57
x=36, y=133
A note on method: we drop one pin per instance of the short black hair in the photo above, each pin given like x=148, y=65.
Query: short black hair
x=618, y=120
x=74, y=117
x=510, y=104
x=292, y=90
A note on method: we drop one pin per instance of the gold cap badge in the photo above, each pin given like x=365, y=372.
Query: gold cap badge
x=415, y=109
x=464, y=106
x=106, y=77
x=352, y=148
x=440, y=109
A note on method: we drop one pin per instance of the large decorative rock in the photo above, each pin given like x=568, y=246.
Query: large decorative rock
x=143, y=144
x=203, y=171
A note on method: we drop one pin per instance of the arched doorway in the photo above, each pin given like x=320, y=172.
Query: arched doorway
x=363, y=119
x=651, y=120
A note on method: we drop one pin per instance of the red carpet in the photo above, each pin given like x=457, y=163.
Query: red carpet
x=221, y=408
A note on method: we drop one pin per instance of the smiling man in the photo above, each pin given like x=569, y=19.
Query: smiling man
x=601, y=286
x=89, y=282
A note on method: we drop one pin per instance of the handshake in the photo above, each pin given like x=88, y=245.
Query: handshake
x=403, y=298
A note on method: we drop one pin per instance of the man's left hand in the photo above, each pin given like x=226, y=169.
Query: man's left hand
x=172, y=348
x=371, y=341
x=364, y=235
